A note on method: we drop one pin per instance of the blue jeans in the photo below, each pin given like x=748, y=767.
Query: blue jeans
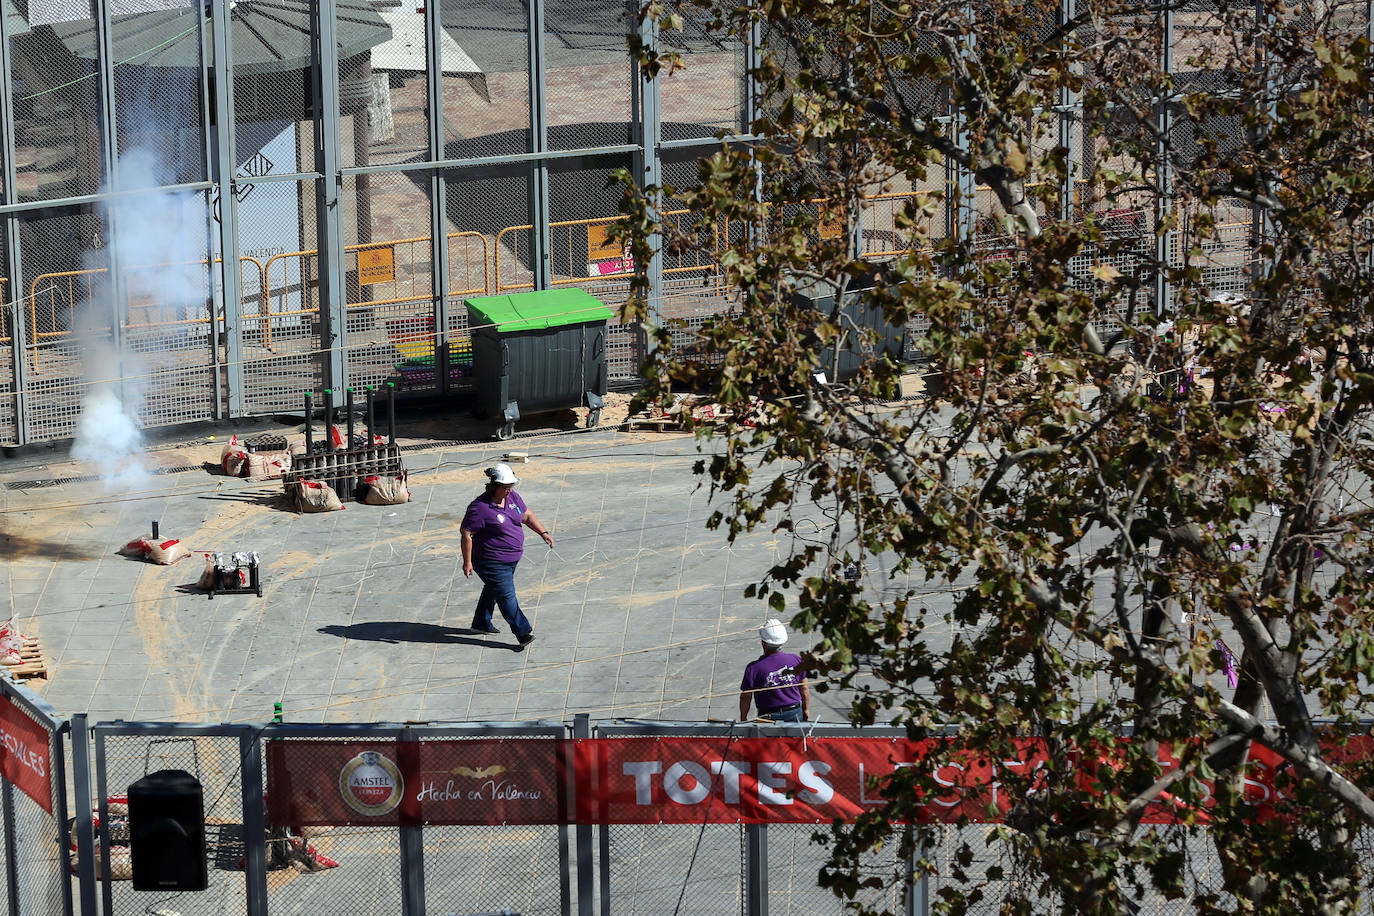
x=498, y=588
x=788, y=715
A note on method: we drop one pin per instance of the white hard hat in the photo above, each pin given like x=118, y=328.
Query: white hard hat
x=501, y=473
x=773, y=633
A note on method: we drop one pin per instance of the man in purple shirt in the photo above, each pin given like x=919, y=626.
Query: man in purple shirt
x=493, y=533
x=775, y=681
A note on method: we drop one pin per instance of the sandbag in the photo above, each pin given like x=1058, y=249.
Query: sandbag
x=138, y=547
x=11, y=641
x=270, y=465
x=234, y=458
x=316, y=496
x=165, y=553
x=385, y=490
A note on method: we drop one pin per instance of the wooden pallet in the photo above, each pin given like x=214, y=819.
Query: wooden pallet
x=31, y=662
x=658, y=424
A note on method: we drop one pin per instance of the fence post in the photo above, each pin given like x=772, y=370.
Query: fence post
x=917, y=892
x=11, y=841
x=756, y=862
x=254, y=825
x=412, y=853
x=81, y=789
x=582, y=728
x=61, y=749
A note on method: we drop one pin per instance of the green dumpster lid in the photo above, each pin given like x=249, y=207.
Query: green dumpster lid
x=548, y=308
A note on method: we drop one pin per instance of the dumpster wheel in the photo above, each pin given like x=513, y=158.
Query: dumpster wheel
x=594, y=417
x=506, y=431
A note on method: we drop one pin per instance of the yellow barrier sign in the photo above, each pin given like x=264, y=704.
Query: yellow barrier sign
x=376, y=265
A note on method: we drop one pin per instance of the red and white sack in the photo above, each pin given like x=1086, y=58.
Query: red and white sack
x=207, y=575
x=271, y=465
x=297, y=447
x=234, y=458
x=138, y=547
x=11, y=641
x=315, y=496
x=165, y=553
x=385, y=490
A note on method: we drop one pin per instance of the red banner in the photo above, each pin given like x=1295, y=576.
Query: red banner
x=479, y=781
x=795, y=780
x=25, y=754
x=688, y=780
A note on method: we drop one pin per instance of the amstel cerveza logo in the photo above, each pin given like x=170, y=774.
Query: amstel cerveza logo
x=371, y=784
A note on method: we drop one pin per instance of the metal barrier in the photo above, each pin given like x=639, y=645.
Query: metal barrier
x=36, y=839
x=458, y=840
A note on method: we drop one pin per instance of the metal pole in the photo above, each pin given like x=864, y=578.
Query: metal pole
x=756, y=862
x=329, y=419
x=582, y=728
x=348, y=398
x=101, y=837
x=62, y=749
x=254, y=825
x=81, y=789
x=309, y=424
x=651, y=131
x=438, y=189
x=224, y=162
x=328, y=193
x=391, y=413
x=9, y=194
x=1067, y=134
x=371, y=415
x=412, y=840
x=1163, y=172
x=539, y=139
x=11, y=845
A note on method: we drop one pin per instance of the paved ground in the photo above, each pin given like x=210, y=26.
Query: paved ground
x=638, y=610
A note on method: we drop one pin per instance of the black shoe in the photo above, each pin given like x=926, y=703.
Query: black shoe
x=526, y=639
x=486, y=628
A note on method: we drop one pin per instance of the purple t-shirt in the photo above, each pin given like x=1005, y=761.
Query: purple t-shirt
x=777, y=676
x=497, y=533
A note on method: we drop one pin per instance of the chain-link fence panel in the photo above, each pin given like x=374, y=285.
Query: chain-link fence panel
x=674, y=868
x=389, y=280
x=587, y=74
x=707, y=95
x=485, y=56
x=795, y=861
x=157, y=82
x=495, y=867
x=344, y=869
x=38, y=860
x=56, y=105
x=284, y=358
x=68, y=319
x=215, y=761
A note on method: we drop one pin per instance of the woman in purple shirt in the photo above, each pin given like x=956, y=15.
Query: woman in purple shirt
x=493, y=542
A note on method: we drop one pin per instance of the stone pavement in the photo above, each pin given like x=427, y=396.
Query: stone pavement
x=638, y=610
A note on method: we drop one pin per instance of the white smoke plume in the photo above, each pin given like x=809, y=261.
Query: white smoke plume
x=157, y=232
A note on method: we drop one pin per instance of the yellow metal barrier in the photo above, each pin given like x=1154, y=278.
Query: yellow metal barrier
x=397, y=267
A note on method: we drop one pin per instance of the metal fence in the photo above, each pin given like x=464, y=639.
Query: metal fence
x=75, y=859
x=206, y=211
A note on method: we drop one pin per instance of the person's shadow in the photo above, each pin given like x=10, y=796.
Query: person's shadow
x=398, y=631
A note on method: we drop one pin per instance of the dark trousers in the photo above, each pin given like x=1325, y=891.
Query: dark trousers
x=498, y=589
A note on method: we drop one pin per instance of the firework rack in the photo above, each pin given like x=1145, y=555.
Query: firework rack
x=345, y=466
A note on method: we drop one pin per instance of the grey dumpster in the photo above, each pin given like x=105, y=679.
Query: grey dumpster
x=889, y=339
x=538, y=351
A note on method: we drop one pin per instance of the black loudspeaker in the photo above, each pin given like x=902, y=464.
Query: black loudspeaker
x=167, y=832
